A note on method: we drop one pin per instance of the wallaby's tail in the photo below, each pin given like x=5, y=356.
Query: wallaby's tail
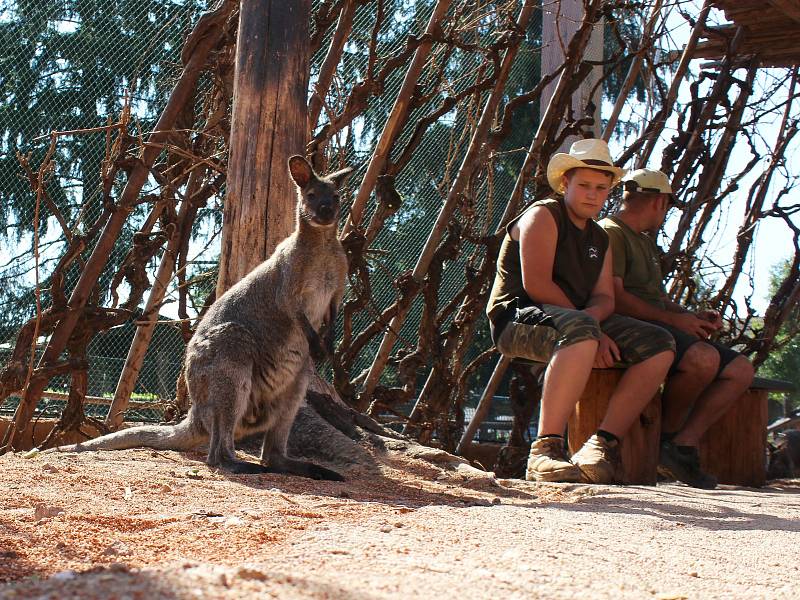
x=183, y=436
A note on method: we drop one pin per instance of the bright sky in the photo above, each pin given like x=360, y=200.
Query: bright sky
x=774, y=240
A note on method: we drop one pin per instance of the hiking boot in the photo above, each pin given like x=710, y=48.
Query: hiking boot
x=599, y=460
x=548, y=462
x=683, y=463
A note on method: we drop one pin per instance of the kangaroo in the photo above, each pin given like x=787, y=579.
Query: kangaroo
x=246, y=365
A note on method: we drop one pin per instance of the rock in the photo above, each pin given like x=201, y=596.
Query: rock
x=42, y=511
x=116, y=549
x=251, y=574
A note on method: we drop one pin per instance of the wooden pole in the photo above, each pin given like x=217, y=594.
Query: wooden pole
x=332, y=58
x=467, y=168
x=205, y=37
x=268, y=124
x=145, y=327
x=633, y=71
x=397, y=118
x=484, y=404
x=560, y=21
x=657, y=126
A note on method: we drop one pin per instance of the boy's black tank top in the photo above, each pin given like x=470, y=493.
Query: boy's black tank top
x=576, y=266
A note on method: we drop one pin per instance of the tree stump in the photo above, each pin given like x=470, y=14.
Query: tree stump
x=734, y=449
x=640, y=445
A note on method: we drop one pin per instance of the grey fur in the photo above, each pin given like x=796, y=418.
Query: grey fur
x=246, y=365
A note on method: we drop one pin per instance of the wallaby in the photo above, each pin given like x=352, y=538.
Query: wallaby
x=246, y=365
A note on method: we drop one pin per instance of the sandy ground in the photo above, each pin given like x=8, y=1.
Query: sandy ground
x=142, y=524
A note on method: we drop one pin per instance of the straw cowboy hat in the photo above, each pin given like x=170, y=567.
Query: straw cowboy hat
x=586, y=154
x=648, y=181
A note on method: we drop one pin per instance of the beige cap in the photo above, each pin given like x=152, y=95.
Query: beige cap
x=648, y=181
x=585, y=154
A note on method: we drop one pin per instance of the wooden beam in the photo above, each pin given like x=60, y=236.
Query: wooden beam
x=791, y=8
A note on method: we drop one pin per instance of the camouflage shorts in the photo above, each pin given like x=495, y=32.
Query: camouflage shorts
x=538, y=333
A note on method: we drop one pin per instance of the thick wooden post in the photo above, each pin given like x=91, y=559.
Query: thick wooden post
x=268, y=125
x=734, y=449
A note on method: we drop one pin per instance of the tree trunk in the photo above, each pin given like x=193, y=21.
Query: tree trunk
x=560, y=22
x=268, y=125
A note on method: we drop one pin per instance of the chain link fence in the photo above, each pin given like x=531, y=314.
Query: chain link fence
x=69, y=65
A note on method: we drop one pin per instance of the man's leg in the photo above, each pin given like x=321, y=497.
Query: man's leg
x=717, y=398
x=564, y=382
x=696, y=369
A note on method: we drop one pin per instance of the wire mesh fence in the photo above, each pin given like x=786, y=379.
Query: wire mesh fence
x=71, y=65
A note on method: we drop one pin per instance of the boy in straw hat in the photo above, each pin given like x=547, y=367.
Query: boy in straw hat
x=706, y=377
x=552, y=301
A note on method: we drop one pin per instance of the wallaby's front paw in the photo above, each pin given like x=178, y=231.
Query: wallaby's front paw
x=317, y=472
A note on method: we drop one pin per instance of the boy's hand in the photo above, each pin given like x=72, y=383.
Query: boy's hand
x=607, y=353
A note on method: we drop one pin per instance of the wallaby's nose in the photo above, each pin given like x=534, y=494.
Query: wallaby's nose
x=325, y=210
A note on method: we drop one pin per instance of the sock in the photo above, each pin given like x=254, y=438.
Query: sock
x=607, y=436
x=668, y=437
x=550, y=435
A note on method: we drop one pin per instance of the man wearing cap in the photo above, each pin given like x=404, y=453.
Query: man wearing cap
x=706, y=377
x=552, y=301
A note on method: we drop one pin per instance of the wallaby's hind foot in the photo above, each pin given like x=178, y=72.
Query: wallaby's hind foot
x=301, y=468
x=317, y=472
x=242, y=467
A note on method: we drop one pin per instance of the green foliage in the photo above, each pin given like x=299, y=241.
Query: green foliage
x=784, y=363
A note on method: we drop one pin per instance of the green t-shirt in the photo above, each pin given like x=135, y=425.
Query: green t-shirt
x=636, y=261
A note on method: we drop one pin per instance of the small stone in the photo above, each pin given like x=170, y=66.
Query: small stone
x=496, y=501
x=64, y=575
x=252, y=574
x=385, y=529
x=43, y=511
x=116, y=549
x=693, y=574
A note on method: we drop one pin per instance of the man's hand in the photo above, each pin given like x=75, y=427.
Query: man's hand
x=607, y=353
x=712, y=316
x=692, y=324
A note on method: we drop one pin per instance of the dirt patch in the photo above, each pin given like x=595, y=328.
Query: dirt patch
x=144, y=524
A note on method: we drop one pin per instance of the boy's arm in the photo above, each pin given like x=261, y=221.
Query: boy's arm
x=601, y=302
x=538, y=235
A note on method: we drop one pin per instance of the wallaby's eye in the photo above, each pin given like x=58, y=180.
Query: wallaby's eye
x=310, y=195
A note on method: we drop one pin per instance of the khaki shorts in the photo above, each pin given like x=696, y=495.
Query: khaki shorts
x=537, y=333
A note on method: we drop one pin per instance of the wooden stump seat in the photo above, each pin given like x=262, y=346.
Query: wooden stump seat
x=734, y=449
x=639, y=447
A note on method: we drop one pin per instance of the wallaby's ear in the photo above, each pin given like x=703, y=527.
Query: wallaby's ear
x=339, y=177
x=300, y=170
